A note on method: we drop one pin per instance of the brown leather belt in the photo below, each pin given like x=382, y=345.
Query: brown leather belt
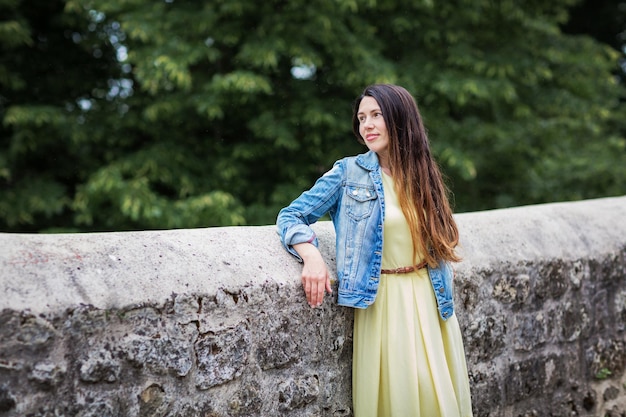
x=405, y=269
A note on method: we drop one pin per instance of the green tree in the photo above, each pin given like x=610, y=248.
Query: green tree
x=44, y=54
x=182, y=113
x=605, y=21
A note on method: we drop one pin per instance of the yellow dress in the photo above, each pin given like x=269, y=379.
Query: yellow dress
x=407, y=361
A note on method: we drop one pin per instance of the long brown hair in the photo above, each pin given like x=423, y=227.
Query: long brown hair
x=422, y=193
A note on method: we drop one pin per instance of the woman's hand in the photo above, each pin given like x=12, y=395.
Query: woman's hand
x=315, y=276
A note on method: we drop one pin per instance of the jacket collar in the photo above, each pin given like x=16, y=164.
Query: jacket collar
x=368, y=160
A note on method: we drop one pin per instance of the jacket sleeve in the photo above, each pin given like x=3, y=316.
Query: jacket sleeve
x=293, y=222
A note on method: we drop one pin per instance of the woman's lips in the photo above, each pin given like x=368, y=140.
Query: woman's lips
x=371, y=137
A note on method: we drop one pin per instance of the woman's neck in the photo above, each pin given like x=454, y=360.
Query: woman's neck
x=383, y=161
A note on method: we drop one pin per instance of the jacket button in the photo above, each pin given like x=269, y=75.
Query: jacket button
x=441, y=290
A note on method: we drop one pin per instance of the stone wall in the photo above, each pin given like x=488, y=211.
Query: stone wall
x=212, y=322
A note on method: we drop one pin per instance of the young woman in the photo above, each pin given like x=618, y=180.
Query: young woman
x=395, y=239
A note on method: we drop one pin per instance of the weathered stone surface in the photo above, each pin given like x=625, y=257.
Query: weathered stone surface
x=7, y=401
x=611, y=393
x=248, y=401
x=222, y=357
x=100, y=366
x=531, y=331
x=606, y=357
x=278, y=348
x=101, y=408
x=484, y=336
x=160, y=355
x=212, y=322
x=47, y=374
x=297, y=392
x=153, y=402
x=35, y=331
x=526, y=379
x=512, y=289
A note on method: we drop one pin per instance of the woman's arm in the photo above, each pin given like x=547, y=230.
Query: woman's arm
x=315, y=275
x=293, y=224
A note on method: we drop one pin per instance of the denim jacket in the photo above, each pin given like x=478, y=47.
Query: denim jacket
x=352, y=194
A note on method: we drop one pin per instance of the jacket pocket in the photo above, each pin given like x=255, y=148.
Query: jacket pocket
x=360, y=201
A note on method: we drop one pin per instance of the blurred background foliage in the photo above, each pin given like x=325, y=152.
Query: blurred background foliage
x=147, y=114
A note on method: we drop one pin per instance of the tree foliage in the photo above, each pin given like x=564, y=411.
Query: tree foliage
x=136, y=114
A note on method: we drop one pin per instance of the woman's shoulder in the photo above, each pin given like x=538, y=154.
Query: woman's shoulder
x=367, y=160
x=355, y=167
x=344, y=162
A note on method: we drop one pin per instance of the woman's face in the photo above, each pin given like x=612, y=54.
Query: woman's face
x=372, y=127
